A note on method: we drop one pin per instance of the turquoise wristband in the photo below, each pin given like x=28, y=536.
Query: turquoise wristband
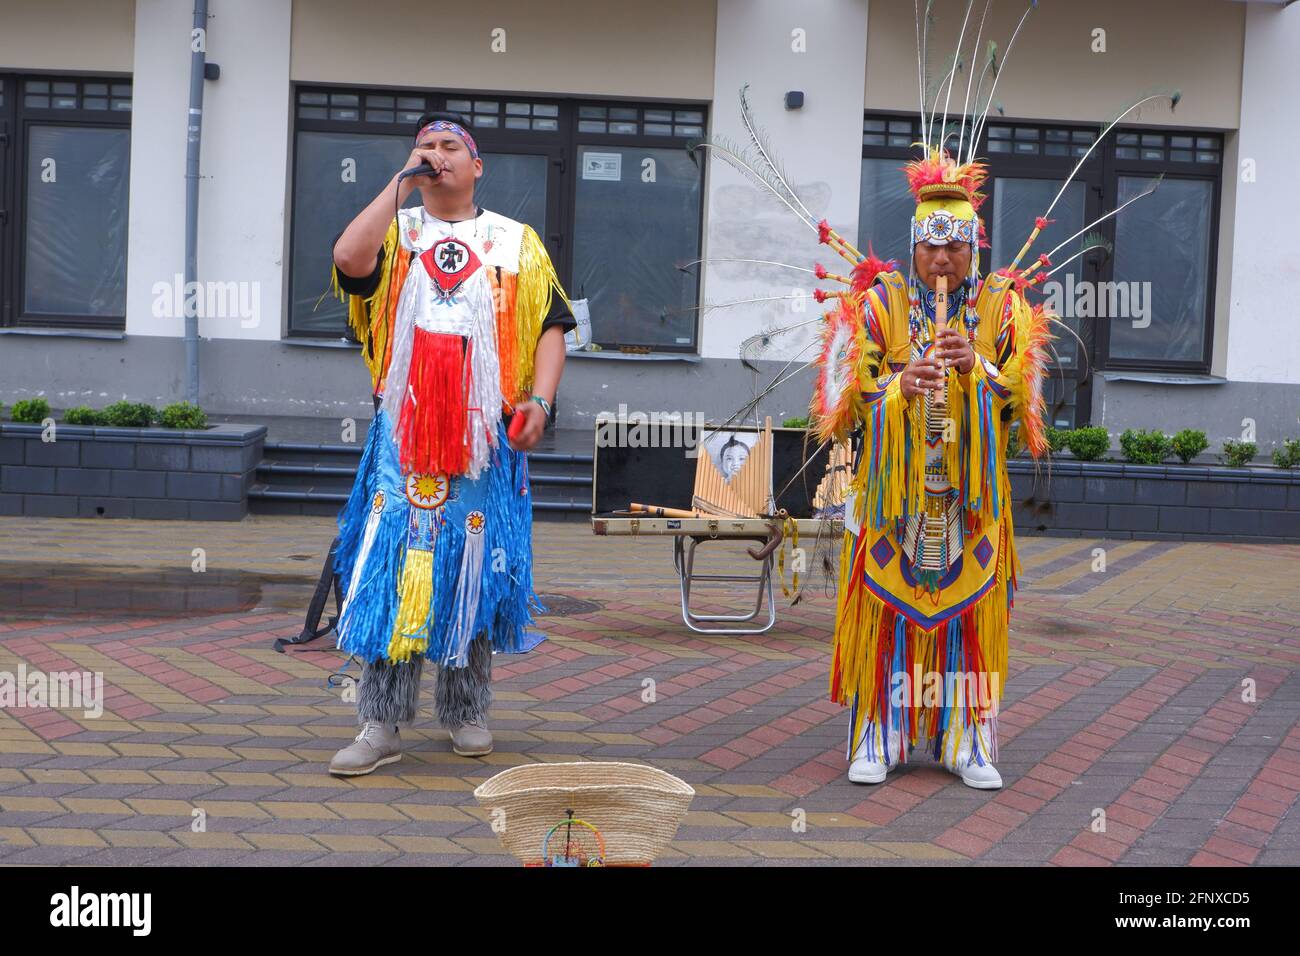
x=546, y=406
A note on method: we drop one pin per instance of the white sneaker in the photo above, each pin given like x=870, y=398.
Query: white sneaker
x=985, y=777
x=980, y=777
x=867, y=767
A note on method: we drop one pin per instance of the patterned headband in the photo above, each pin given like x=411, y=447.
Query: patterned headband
x=450, y=127
x=942, y=226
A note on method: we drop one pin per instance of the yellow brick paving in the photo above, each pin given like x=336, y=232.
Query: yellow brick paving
x=253, y=765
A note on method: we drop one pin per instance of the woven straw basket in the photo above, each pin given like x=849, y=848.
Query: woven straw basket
x=636, y=808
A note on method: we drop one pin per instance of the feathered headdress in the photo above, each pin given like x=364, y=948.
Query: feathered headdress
x=939, y=176
x=947, y=185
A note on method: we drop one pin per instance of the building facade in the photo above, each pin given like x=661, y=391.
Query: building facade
x=583, y=111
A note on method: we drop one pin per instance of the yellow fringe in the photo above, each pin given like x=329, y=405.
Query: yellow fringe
x=847, y=631
x=954, y=427
x=414, y=596
x=964, y=413
x=1011, y=375
x=884, y=488
x=857, y=629
x=366, y=315
x=534, y=288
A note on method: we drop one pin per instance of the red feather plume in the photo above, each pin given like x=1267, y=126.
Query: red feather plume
x=865, y=272
x=940, y=168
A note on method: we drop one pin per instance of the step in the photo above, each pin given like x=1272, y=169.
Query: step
x=339, y=455
x=305, y=499
x=296, y=477
x=542, y=510
x=331, y=477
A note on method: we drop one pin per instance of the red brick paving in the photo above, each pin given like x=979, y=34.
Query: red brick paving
x=1091, y=678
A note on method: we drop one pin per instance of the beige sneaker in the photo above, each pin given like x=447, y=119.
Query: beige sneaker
x=472, y=739
x=376, y=745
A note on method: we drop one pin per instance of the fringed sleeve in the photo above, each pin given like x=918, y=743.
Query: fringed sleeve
x=977, y=457
x=890, y=475
x=371, y=318
x=536, y=284
x=1026, y=372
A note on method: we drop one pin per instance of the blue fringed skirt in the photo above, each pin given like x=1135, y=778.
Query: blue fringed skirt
x=427, y=563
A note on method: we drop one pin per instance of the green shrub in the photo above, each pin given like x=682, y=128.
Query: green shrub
x=1057, y=438
x=130, y=414
x=1088, y=444
x=1288, y=456
x=1238, y=454
x=1145, y=447
x=795, y=422
x=84, y=415
x=183, y=415
x=31, y=410
x=1189, y=443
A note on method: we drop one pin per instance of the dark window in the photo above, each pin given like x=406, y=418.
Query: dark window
x=335, y=175
x=65, y=149
x=628, y=273
x=536, y=152
x=1161, y=270
x=1166, y=250
x=1163, y=242
x=885, y=210
x=1009, y=213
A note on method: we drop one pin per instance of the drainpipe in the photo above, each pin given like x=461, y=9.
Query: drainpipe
x=193, y=132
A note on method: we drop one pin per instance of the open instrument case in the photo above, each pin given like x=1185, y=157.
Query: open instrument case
x=655, y=464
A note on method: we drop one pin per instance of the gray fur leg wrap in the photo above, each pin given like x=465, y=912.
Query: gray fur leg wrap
x=465, y=693
x=389, y=693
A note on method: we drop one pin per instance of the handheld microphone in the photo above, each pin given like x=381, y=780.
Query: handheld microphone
x=424, y=169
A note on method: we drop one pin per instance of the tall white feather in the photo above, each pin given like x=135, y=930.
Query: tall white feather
x=766, y=154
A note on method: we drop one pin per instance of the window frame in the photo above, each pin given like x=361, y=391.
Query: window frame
x=625, y=140
x=19, y=118
x=1101, y=173
x=1092, y=174
x=8, y=210
x=1149, y=169
x=560, y=146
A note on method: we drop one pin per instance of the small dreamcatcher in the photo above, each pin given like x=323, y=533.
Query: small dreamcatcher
x=573, y=842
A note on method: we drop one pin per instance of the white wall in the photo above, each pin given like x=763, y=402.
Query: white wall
x=243, y=163
x=245, y=189
x=1262, y=344
x=156, y=220
x=821, y=148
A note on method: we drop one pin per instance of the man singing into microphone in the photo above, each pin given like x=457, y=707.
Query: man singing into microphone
x=461, y=320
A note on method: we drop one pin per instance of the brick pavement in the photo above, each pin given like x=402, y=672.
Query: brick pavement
x=1124, y=699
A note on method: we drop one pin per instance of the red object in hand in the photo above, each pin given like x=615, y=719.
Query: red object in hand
x=516, y=427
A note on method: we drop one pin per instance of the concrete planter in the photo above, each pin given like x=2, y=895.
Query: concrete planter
x=1156, y=502
x=90, y=472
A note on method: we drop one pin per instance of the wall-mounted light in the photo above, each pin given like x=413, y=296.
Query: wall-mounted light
x=794, y=100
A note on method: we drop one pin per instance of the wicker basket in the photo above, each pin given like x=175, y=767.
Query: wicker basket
x=636, y=808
